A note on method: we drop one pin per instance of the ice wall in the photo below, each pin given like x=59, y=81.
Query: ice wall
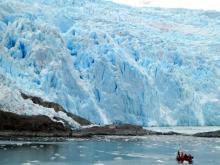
x=115, y=64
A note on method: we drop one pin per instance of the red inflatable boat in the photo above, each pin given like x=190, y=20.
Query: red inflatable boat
x=182, y=157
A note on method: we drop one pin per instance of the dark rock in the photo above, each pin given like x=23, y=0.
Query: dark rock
x=118, y=130
x=40, y=101
x=78, y=119
x=57, y=108
x=11, y=123
x=208, y=134
x=171, y=133
x=25, y=134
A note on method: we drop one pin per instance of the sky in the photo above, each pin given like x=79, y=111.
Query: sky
x=189, y=4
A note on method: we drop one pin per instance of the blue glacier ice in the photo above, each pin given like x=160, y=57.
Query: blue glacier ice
x=112, y=63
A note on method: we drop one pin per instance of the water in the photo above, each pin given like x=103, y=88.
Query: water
x=109, y=151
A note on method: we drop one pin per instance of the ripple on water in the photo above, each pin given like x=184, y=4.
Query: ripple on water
x=118, y=158
x=62, y=157
x=53, y=158
x=80, y=147
x=136, y=155
x=119, y=147
x=34, y=147
x=34, y=161
x=217, y=147
x=98, y=163
x=160, y=161
x=26, y=164
x=56, y=154
x=41, y=146
x=115, y=153
x=19, y=144
x=82, y=155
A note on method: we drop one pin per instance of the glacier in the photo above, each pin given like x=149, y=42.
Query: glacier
x=185, y=4
x=112, y=63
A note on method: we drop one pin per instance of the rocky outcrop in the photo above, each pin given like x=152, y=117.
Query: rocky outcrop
x=114, y=130
x=40, y=126
x=208, y=134
x=56, y=107
x=13, y=124
x=19, y=125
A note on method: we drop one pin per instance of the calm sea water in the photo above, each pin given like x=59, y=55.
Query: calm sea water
x=108, y=151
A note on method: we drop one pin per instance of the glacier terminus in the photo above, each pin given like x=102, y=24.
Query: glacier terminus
x=111, y=63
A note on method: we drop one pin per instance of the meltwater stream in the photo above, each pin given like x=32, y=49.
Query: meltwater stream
x=109, y=151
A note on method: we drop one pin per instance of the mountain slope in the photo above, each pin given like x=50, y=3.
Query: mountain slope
x=110, y=63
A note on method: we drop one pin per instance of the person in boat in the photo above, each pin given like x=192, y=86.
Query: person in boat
x=181, y=157
x=178, y=153
x=185, y=157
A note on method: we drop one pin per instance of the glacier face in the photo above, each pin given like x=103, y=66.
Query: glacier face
x=111, y=63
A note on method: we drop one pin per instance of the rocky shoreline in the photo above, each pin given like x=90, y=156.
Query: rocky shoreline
x=100, y=131
x=14, y=125
x=212, y=134
x=87, y=133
